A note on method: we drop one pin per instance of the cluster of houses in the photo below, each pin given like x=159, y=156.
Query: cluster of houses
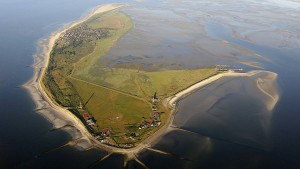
x=223, y=68
x=155, y=120
x=149, y=123
x=104, y=134
x=83, y=32
x=91, y=122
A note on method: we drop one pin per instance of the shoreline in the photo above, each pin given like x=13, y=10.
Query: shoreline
x=42, y=100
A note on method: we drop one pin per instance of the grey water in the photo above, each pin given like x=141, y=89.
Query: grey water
x=203, y=141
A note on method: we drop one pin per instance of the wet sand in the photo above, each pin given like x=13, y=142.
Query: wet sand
x=266, y=86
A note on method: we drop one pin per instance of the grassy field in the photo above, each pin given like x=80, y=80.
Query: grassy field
x=110, y=108
x=120, y=112
x=145, y=83
x=117, y=98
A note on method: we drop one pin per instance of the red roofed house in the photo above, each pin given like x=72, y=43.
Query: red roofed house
x=86, y=115
x=156, y=115
x=105, y=132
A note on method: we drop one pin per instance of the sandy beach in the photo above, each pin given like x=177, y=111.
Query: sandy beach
x=43, y=102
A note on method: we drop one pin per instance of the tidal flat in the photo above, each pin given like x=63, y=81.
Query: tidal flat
x=235, y=109
x=199, y=34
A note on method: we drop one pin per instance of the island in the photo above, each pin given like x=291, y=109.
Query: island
x=120, y=105
x=123, y=107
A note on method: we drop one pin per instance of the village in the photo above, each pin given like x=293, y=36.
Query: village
x=83, y=32
x=78, y=36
